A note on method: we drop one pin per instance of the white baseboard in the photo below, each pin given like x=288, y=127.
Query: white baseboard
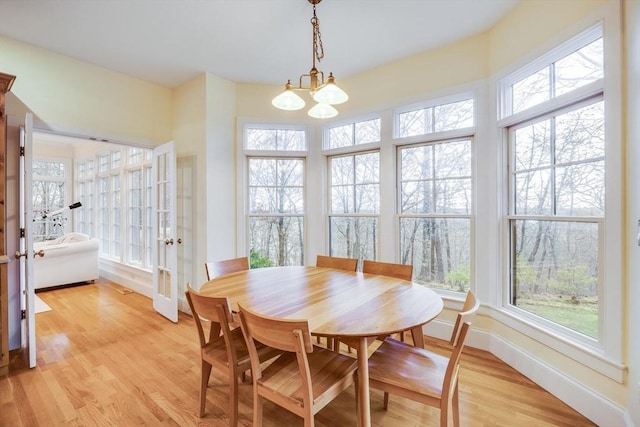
x=584, y=400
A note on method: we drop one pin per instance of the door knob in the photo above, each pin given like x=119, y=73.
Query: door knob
x=179, y=241
x=19, y=254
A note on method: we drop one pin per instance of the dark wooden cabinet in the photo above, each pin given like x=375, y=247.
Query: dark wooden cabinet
x=6, y=80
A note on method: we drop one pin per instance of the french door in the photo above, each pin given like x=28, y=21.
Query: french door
x=26, y=254
x=164, y=232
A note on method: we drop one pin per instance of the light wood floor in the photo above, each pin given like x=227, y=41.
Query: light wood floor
x=108, y=359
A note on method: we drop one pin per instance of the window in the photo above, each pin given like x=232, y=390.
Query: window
x=435, y=118
x=121, y=187
x=354, y=205
x=108, y=203
x=435, y=196
x=435, y=212
x=260, y=139
x=48, y=195
x=276, y=196
x=362, y=132
x=557, y=185
x=85, y=192
x=139, y=210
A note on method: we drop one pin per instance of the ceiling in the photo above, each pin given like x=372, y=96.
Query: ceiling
x=169, y=42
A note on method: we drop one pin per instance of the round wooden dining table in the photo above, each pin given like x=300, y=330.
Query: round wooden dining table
x=336, y=303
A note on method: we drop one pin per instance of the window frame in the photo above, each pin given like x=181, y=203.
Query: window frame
x=354, y=150
x=605, y=355
x=244, y=155
x=434, y=139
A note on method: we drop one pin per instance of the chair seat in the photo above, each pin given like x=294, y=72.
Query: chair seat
x=407, y=367
x=216, y=350
x=326, y=368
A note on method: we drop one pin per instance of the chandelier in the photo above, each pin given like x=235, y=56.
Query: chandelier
x=326, y=94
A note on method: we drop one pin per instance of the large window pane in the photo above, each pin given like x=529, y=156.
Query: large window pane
x=276, y=202
x=556, y=272
x=436, y=178
x=276, y=241
x=354, y=237
x=439, y=250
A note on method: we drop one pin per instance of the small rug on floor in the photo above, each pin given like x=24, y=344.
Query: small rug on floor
x=40, y=305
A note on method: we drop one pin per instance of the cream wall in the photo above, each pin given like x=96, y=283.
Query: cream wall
x=83, y=99
x=530, y=25
x=220, y=195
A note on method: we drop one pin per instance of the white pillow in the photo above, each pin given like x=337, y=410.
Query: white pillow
x=73, y=237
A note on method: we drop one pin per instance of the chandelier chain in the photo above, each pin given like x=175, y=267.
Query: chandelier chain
x=318, y=49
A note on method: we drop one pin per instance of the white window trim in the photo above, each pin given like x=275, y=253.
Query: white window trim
x=242, y=178
x=606, y=356
x=355, y=147
x=435, y=102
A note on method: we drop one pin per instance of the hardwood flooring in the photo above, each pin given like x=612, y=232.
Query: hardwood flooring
x=108, y=359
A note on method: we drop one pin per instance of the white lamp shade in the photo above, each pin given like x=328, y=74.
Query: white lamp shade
x=330, y=94
x=288, y=100
x=322, y=111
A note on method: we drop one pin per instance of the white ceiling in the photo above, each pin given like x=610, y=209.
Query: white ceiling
x=250, y=41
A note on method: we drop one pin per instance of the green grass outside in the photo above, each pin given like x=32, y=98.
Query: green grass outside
x=581, y=316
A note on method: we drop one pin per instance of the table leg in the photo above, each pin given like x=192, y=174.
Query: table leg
x=418, y=336
x=364, y=406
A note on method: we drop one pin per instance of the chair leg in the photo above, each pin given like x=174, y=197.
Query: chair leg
x=233, y=399
x=455, y=407
x=204, y=382
x=385, y=405
x=257, y=409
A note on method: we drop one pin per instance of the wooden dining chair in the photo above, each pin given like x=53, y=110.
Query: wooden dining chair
x=305, y=378
x=421, y=375
x=349, y=264
x=389, y=269
x=220, y=268
x=224, y=348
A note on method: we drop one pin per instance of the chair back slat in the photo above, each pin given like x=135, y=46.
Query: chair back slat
x=276, y=333
x=399, y=271
x=469, y=309
x=220, y=268
x=349, y=264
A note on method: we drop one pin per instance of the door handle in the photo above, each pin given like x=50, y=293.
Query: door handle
x=19, y=254
x=179, y=241
x=168, y=242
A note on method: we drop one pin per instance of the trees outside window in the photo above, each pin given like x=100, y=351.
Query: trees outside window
x=48, y=194
x=435, y=212
x=355, y=205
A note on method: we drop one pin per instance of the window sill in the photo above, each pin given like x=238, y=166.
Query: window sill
x=591, y=356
